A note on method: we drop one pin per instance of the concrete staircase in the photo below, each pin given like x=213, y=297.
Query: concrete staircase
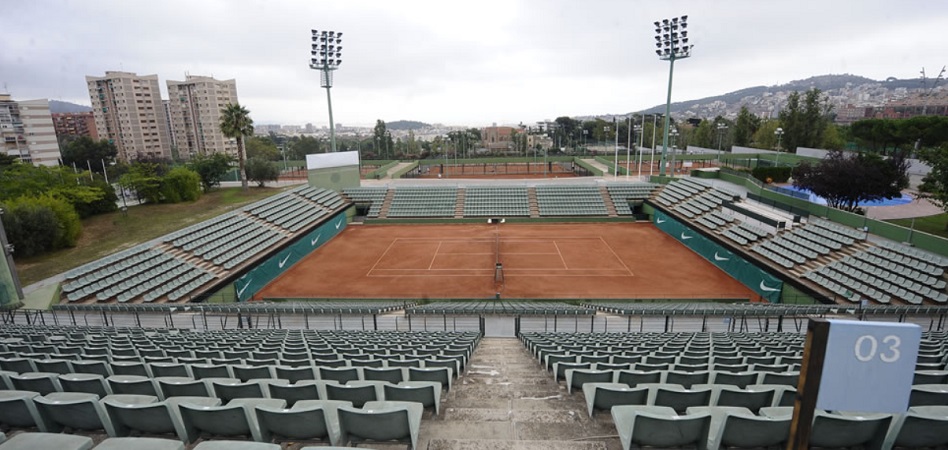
x=505, y=400
x=534, y=204
x=459, y=206
x=386, y=204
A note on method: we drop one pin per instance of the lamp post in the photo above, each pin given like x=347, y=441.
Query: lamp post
x=326, y=54
x=671, y=39
x=722, y=128
x=779, y=133
x=674, y=137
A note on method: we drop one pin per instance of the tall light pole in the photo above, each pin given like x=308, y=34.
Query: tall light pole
x=671, y=38
x=326, y=54
x=779, y=133
x=674, y=138
x=722, y=128
x=638, y=130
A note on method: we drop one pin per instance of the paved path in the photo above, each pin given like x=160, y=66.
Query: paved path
x=396, y=168
x=506, y=401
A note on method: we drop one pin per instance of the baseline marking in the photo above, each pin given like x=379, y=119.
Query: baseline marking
x=377, y=261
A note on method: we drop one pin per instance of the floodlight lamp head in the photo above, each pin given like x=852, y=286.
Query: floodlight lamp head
x=665, y=21
x=339, y=34
x=657, y=24
x=658, y=52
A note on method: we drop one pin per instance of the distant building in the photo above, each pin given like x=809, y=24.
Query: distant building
x=76, y=124
x=27, y=131
x=195, y=114
x=497, y=139
x=129, y=113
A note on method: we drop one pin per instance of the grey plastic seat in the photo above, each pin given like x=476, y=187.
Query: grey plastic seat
x=201, y=371
x=928, y=395
x=785, y=378
x=636, y=377
x=736, y=379
x=681, y=399
x=140, y=443
x=227, y=391
x=921, y=427
x=381, y=422
x=294, y=374
x=247, y=373
x=133, y=384
x=228, y=420
x=235, y=445
x=17, y=409
x=687, y=379
x=57, y=441
x=427, y=393
x=307, y=420
x=753, y=400
x=164, y=369
x=302, y=390
x=841, y=430
x=341, y=374
x=160, y=418
x=42, y=382
x=85, y=382
x=603, y=396
x=440, y=374
x=739, y=427
x=59, y=366
x=393, y=375
x=91, y=366
x=659, y=426
x=129, y=368
x=75, y=410
x=182, y=387
x=18, y=365
x=358, y=395
x=575, y=378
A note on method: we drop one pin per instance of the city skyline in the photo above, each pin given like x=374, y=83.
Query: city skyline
x=494, y=62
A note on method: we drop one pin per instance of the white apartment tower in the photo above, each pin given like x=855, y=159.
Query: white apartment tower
x=194, y=106
x=27, y=131
x=128, y=112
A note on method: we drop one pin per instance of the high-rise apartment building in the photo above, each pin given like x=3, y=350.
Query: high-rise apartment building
x=75, y=124
x=128, y=112
x=27, y=132
x=194, y=106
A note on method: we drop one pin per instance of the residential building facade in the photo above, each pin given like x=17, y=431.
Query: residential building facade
x=194, y=108
x=128, y=112
x=27, y=131
x=75, y=124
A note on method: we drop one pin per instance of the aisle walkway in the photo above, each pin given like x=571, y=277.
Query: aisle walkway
x=506, y=401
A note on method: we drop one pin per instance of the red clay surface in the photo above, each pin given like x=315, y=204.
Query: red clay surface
x=619, y=260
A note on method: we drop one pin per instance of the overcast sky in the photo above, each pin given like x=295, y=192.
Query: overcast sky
x=462, y=63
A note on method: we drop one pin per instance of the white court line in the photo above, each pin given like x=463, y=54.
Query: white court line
x=435, y=256
x=616, y=255
x=558, y=252
x=377, y=261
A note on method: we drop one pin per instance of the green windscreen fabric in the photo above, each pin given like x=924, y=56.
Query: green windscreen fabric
x=253, y=281
x=8, y=294
x=755, y=278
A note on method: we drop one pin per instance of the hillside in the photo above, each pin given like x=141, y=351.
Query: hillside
x=56, y=106
x=404, y=125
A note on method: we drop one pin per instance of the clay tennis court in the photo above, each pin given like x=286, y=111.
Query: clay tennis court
x=562, y=261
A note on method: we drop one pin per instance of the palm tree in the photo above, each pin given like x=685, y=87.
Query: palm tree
x=236, y=123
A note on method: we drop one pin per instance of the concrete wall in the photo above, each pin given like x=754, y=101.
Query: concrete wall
x=745, y=150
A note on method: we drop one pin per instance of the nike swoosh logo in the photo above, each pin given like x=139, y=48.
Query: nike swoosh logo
x=241, y=291
x=315, y=240
x=684, y=237
x=659, y=220
x=718, y=258
x=766, y=288
x=338, y=224
x=282, y=263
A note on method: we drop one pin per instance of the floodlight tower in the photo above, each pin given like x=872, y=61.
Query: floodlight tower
x=326, y=54
x=671, y=39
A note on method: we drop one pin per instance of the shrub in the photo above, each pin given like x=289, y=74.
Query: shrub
x=37, y=225
x=180, y=185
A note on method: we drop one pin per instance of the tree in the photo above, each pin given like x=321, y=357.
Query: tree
x=143, y=178
x=804, y=124
x=744, y=127
x=180, y=185
x=935, y=185
x=704, y=135
x=236, y=123
x=260, y=171
x=765, y=137
x=263, y=148
x=7, y=160
x=211, y=169
x=85, y=152
x=847, y=180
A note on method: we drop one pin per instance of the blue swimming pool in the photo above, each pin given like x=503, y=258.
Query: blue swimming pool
x=904, y=199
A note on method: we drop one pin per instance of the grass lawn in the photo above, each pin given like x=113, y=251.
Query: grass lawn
x=931, y=224
x=108, y=233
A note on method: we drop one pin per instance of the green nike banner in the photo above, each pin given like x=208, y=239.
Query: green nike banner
x=755, y=278
x=254, y=280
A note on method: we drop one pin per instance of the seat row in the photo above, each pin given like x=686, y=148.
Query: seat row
x=190, y=419
x=714, y=427
x=575, y=377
